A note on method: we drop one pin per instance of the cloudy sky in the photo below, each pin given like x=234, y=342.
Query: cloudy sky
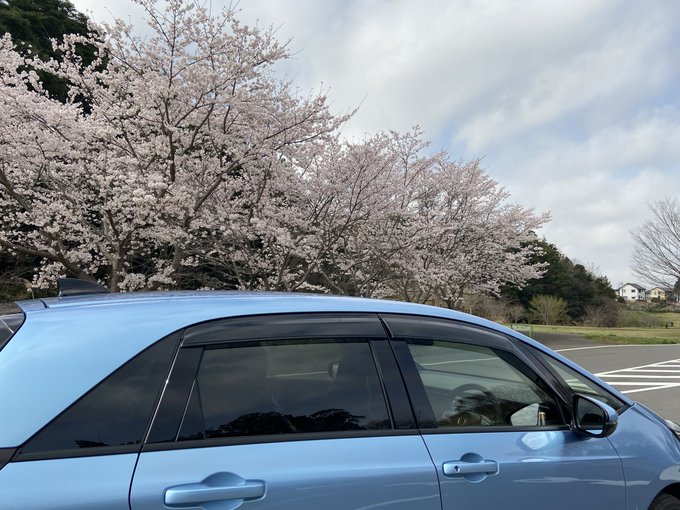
x=574, y=105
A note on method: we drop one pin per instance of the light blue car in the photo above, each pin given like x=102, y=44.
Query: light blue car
x=222, y=400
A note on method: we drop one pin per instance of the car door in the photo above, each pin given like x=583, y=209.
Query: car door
x=496, y=429
x=285, y=412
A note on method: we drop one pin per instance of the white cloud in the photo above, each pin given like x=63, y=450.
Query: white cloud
x=625, y=65
x=107, y=10
x=597, y=189
x=490, y=68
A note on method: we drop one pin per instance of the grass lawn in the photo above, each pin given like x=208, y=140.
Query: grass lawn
x=622, y=335
x=669, y=317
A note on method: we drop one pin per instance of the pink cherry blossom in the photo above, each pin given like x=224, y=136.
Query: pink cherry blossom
x=181, y=159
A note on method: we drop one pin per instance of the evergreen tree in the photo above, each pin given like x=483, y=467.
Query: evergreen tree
x=579, y=287
x=34, y=23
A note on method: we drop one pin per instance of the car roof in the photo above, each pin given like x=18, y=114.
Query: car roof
x=217, y=300
x=122, y=298
x=199, y=306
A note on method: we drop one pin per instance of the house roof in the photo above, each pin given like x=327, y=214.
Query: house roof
x=667, y=290
x=635, y=285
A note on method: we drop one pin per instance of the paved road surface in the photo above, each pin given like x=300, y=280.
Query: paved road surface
x=649, y=374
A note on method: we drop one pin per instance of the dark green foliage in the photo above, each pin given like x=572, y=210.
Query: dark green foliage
x=16, y=272
x=32, y=23
x=580, y=288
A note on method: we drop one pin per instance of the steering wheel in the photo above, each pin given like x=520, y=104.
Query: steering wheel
x=472, y=404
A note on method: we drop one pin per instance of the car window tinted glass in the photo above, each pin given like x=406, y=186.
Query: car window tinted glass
x=580, y=383
x=285, y=387
x=114, y=413
x=470, y=385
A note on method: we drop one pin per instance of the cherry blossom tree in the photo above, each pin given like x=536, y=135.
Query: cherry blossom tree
x=466, y=237
x=436, y=230
x=182, y=160
x=126, y=191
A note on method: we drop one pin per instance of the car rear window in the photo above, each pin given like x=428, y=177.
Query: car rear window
x=11, y=319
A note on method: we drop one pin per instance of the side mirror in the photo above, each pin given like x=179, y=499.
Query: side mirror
x=593, y=418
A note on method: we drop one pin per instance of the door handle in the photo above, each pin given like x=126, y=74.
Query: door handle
x=461, y=467
x=216, y=487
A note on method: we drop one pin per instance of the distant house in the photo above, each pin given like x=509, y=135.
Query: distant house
x=632, y=292
x=662, y=294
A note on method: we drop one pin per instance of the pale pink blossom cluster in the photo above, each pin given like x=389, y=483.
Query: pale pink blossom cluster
x=180, y=159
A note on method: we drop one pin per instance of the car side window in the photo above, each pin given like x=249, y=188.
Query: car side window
x=580, y=383
x=292, y=386
x=114, y=415
x=472, y=385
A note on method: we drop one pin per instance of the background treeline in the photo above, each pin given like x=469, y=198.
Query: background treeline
x=566, y=293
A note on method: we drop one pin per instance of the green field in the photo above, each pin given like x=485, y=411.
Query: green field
x=619, y=335
x=673, y=317
x=649, y=328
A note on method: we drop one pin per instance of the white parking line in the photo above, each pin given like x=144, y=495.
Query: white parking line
x=586, y=348
x=613, y=346
x=655, y=376
x=654, y=370
x=668, y=386
x=624, y=383
x=636, y=376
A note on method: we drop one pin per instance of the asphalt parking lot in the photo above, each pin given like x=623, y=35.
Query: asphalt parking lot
x=649, y=374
